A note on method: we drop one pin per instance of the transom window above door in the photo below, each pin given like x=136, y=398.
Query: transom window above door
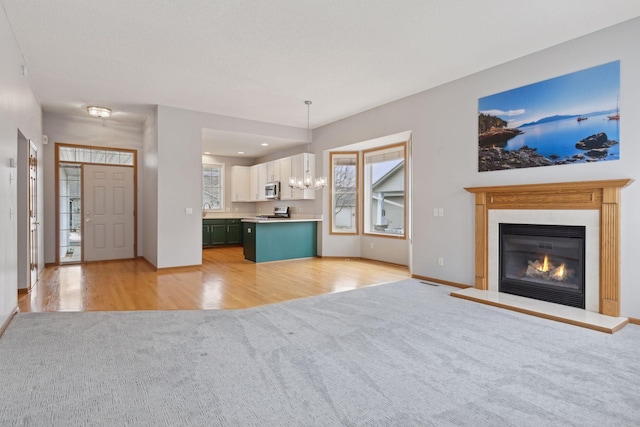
x=95, y=155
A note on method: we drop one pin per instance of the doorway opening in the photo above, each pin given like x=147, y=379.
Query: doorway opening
x=111, y=216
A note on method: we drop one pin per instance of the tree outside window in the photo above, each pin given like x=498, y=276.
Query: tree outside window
x=212, y=187
x=344, y=192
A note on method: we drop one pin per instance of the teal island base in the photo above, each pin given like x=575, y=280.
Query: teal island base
x=278, y=240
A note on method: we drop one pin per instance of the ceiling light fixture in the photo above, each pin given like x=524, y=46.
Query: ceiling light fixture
x=102, y=112
x=308, y=182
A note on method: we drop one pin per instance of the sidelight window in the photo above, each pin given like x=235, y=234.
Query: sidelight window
x=344, y=192
x=384, y=190
x=212, y=186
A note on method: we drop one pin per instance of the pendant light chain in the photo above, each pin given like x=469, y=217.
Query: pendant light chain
x=308, y=182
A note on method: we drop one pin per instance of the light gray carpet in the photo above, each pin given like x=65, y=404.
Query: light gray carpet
x=399, y=354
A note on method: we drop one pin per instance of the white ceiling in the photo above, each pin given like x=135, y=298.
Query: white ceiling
x=236, y=144
x=260, y=60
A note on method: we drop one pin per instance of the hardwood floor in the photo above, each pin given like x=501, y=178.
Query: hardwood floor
x=224, y=281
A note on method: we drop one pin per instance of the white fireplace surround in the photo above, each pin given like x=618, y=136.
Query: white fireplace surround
x=590, y=219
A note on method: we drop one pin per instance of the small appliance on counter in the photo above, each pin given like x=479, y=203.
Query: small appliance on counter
x=281, y=212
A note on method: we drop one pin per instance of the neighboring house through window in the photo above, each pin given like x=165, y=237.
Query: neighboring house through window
x=384, y=190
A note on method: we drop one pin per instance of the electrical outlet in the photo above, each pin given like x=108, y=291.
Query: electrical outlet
x=440, y=261
x=300, y=210
x=372, y=245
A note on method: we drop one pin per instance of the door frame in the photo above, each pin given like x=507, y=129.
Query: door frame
x=26, y=279
x=59, y=145
x=33, y=210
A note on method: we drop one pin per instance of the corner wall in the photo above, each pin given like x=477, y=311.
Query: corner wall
x=19, y=110
x=149, y=176
x=179, y=181
x=444, y=121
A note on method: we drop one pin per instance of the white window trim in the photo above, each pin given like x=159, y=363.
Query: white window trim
x=222, y=186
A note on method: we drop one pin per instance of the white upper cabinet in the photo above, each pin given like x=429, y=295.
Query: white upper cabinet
x=247, y=182
x=285, y=173
x=240, y=184
x=273, y=171
x=261, y=171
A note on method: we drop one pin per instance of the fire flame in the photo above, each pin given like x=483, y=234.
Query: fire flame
x=559, y=273
x=545, y=264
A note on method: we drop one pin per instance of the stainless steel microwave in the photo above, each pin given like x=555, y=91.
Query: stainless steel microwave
x=272, y=190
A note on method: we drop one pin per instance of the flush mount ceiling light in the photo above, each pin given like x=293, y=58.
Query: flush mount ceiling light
x=308, y=182
x=102, y=112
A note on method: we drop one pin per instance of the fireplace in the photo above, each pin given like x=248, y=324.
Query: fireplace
x=544, y=262
x=601, y=197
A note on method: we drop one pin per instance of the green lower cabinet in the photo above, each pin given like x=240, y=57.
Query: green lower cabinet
x=234, y=233
x=206, y=235
x=219, y=232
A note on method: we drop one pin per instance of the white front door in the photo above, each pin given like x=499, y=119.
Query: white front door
x=108, y=208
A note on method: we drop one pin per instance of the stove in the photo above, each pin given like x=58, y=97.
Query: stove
x=280, y=212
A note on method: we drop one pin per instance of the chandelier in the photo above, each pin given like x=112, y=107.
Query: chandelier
x=307, y=182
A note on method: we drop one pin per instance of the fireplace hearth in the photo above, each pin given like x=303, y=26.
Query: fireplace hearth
x=544, y=262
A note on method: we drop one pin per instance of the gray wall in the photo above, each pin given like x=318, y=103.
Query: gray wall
x=149, y=174
x=19, y=111
x=443, y=122
x=179, y=183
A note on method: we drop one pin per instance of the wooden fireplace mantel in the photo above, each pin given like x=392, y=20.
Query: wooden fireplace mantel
x=596, y=195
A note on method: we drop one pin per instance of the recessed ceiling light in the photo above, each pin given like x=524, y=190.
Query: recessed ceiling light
x=102, y=112
x=264, y=144
x=207, y=152
x=240, y=152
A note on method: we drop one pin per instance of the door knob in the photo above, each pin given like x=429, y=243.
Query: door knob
x=88, y=219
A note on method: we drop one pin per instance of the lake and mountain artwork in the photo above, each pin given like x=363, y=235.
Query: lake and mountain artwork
x=569, y=119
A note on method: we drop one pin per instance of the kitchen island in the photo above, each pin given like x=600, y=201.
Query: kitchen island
x=269, y=239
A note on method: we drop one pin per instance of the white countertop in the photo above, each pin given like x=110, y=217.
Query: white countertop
x=258, y=220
